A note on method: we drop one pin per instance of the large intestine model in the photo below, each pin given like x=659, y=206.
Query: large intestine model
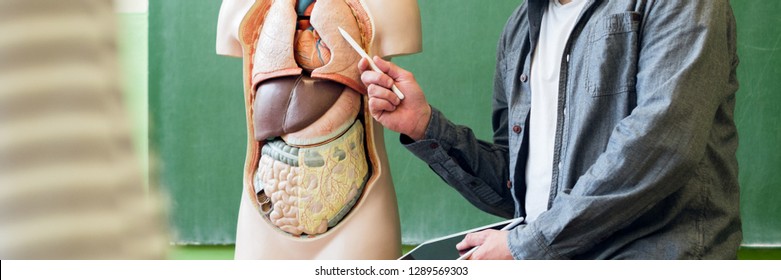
x=316, y=178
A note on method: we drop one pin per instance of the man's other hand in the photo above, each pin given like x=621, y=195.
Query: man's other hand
x=493, y=245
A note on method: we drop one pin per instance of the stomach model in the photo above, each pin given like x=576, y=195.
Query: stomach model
x=311, y=159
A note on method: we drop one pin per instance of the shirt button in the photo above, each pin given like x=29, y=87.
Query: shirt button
x=434, y=146
x=524, y=78
x=517, y=129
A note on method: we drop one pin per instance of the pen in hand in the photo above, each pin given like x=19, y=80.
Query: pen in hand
x=363, y=54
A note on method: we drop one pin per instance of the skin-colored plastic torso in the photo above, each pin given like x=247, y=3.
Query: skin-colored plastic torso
x=371, y=229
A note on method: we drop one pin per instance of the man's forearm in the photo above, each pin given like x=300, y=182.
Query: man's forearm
x=477, y=169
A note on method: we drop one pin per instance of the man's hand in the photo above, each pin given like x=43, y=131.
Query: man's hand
x=410, y=116
x=493, y=245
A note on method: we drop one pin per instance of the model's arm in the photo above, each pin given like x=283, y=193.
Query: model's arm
x=685, y=73
x=477, y=169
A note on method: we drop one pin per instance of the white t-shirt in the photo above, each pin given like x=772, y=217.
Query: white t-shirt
x=557, y=24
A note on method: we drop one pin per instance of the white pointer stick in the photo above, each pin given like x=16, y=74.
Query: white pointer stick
x=510, y=226
x=363, y=54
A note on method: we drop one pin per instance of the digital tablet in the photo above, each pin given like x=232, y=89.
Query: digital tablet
x=444, y=248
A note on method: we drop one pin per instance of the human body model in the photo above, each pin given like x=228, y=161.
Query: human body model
x=316, y=177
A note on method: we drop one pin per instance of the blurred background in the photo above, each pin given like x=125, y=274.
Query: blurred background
x=183, y=114
x=73, y=181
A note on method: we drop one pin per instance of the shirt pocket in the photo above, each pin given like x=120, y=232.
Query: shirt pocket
x=613, y=54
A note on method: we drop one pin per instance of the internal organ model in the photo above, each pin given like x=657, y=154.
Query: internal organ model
x=310, y=50
x=316, y=177
x=313, y=165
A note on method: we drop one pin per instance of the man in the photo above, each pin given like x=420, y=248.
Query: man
x=613, y=126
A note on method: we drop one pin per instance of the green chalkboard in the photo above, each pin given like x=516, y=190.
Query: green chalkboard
x=197, y=116
x=196, y=121
x=758, y=115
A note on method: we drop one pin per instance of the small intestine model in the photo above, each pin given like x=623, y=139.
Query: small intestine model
x=316, y=180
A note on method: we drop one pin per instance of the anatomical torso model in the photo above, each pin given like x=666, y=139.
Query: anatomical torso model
x=316, y=178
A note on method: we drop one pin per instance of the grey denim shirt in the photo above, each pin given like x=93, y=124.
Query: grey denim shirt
x=644, y=160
